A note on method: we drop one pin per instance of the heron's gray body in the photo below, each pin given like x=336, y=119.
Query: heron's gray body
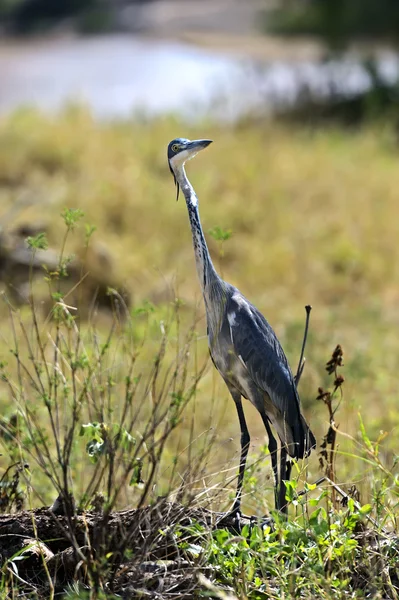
x=243, y=346
x=248, y=355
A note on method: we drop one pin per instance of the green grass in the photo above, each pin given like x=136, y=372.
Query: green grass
x=314, y=219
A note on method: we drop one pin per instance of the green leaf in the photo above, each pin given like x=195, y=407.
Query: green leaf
x=38, y=242
x=365, y=437
x=72, y=217
x=365, y=509
x=146, y=308
x=135, y=479
x=310, y=486
x=290, y=490
x=89, y=230
x=95, y=449
x=219, y=234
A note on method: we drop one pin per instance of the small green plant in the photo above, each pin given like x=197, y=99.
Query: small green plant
x=322, y=557
x=71, y=386
x=38, y=242
x=71, y=217
x=220, y=235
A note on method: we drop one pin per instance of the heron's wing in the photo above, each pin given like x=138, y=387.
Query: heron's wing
x=258, y=348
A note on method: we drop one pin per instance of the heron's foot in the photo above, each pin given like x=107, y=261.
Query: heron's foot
x=234, y=521
x=231, y=521
x=262, y=522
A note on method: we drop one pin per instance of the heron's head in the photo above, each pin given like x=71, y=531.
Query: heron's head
x=180, y=150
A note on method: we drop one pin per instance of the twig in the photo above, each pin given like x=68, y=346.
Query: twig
x=327, y=451
x=15, y=574
x=302, y=360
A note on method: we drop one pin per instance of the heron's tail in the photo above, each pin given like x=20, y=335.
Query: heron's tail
x=304, y=440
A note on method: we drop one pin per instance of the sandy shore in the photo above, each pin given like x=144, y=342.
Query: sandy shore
x=229, y=26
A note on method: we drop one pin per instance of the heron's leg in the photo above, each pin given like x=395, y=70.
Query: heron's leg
x=273, y=454
x=245, y=439
x=282, y=503
x=285, y=474
x=288, y=471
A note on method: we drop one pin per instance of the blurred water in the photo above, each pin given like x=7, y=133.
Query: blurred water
x=117, y=75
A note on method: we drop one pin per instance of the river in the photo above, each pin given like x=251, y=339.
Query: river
x=119, y=75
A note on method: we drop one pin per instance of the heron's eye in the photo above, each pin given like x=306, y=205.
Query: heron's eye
x=175, y=147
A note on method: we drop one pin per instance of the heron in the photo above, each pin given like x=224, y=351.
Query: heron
x=244, y=349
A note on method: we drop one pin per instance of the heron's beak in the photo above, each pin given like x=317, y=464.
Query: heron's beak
x=192, y=149
x=197, y=145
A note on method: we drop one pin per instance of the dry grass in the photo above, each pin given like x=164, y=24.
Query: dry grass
x=315, y=221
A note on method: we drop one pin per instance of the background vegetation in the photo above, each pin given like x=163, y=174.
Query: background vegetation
x=33, y=16
x=293, y=216
x=313, y=222
x=119, y=407
x=360, y=32
x=342, y=21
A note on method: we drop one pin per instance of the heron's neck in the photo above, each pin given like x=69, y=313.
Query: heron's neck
x=205, y=269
